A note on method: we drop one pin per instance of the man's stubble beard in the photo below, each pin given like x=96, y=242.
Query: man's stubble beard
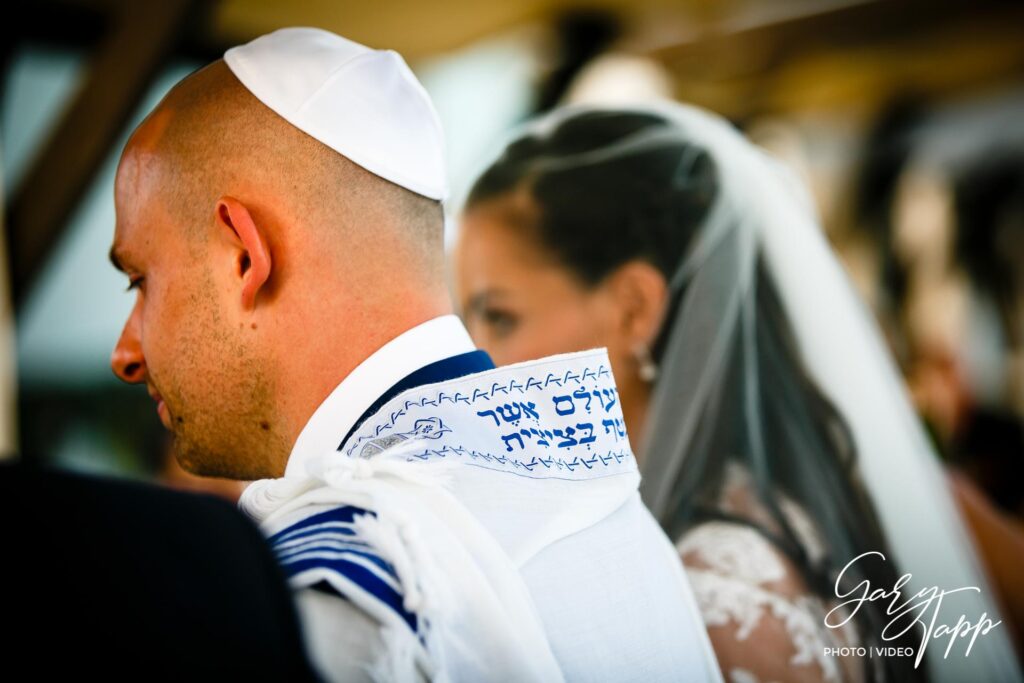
x=224, y=422
x=234, y=441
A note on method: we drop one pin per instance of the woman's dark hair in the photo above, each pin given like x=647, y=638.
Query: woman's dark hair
x=596, y=217
x=648, y=204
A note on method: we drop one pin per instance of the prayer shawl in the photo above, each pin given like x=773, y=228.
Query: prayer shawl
x=460, y=513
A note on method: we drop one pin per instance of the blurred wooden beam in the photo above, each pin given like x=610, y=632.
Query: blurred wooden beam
x=775, y=32
x=417, y=29
x=844, y=55
x=944, y=62
x=140, y=36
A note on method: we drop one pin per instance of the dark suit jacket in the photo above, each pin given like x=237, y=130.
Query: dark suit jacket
x=127, y=580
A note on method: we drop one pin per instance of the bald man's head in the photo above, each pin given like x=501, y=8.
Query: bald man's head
x=268, y=266
x=211, y=136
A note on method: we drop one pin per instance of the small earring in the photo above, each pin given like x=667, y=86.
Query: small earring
x=647, y=370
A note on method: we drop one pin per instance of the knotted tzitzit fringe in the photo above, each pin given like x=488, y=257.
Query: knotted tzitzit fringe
x=341, y=473
x=396, y=538
x=263, y=497
x=394, y=535
x=390, y=531
x=336, y=468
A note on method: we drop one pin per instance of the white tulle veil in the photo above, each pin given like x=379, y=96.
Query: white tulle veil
x=761, y=218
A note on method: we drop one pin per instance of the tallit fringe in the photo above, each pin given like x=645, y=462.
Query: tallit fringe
x=400, y=660
x=392, y=534
x=396, y=539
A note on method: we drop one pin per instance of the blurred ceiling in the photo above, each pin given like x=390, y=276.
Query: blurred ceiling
x=736, y=55
x=742, y=58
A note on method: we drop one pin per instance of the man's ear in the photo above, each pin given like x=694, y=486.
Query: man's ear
x=253, y=259
x=641, y=296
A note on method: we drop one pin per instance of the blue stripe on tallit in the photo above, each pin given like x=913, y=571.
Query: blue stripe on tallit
x=336, y=547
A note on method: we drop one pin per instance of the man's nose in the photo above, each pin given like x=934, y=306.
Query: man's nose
x=127, y=361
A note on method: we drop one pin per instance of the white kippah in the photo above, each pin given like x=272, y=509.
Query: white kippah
x=365, y=104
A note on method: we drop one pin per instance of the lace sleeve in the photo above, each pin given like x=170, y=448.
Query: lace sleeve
x=763, y=622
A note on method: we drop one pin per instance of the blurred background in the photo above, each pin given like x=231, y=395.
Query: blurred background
x=906, y=119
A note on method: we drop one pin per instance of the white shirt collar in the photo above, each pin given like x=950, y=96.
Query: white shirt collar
x=428, y=342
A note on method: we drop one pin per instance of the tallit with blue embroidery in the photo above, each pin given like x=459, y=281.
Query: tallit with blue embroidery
x=428, y=511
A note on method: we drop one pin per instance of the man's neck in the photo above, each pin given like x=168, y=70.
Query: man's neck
x=355, y=390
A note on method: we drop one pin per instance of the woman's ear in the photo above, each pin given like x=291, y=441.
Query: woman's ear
x=641, y=295
x=252, y=259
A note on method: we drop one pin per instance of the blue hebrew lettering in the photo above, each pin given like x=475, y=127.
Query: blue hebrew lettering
x=530, y=409
x=609, y=428
x=540, y=441
x=510, y=412
x=582, y=394
x=563, y=399
x=508, y=438
x=610, y=394
x=568, y=440
x=589, y=438
x=485, y=413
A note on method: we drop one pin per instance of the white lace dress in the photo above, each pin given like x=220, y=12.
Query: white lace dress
x=764, y=623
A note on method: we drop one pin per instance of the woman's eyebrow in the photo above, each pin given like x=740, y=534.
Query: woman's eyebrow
x=480, y=300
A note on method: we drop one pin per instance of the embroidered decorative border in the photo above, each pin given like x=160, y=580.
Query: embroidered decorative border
x=478, y=394
x=511, y=463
